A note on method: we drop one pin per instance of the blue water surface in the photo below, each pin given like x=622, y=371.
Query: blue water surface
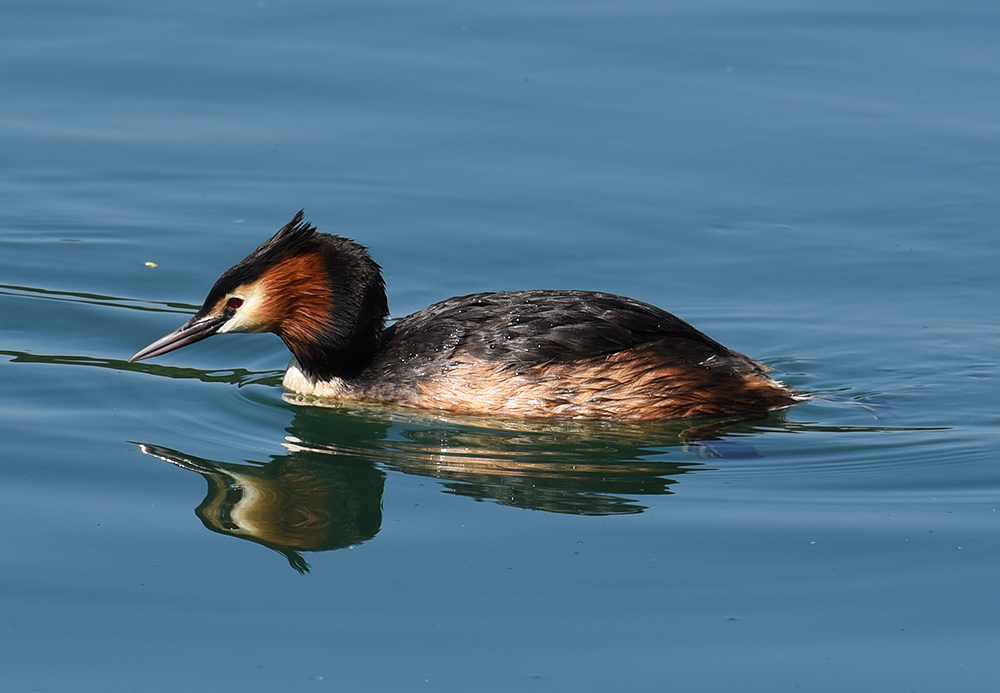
x=812, y=183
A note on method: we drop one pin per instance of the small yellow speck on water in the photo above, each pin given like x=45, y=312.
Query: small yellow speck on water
x=150, y=264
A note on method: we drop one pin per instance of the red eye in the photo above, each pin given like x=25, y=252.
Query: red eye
x=234, y=303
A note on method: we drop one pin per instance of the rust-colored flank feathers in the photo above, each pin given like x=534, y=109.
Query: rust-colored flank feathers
x=627, y=385
x=573, y=354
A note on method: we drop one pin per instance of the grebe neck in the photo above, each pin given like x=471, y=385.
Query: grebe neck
x=333, y=311
x=339, y=345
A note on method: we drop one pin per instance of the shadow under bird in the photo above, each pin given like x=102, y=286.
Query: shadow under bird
x=576, y=354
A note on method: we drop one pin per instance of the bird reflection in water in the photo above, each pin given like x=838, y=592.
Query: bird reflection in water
x=325, y=492
x=293, y=503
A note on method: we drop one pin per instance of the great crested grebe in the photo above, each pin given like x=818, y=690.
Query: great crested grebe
x=576, y=354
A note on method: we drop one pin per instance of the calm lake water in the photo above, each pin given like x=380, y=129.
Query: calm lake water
x=812, y=183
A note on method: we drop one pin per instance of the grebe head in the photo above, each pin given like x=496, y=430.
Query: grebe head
x=322, y=294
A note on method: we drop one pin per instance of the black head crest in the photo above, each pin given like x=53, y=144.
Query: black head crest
x=295, y=237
